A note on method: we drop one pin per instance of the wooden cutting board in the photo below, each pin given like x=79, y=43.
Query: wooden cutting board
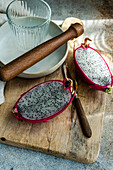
x=58, y=136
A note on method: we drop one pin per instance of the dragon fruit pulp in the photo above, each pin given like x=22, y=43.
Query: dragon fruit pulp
x=92, y=67
x=43, y=102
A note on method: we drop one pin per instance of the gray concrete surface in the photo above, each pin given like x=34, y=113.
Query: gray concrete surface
x=12, y=158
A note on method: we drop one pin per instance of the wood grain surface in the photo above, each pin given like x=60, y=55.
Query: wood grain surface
x=59, y=136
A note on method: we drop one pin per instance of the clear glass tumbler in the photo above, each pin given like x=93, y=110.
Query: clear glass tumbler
x=29, y=20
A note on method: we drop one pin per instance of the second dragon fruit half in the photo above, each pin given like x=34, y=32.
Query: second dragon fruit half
x=92, y=67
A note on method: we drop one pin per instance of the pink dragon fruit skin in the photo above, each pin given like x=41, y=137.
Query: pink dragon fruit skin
x=92, y=68
x=43, y=102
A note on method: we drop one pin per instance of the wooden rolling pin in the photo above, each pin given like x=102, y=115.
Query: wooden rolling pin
x=33, y=56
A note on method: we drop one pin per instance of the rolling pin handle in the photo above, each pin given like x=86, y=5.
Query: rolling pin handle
x=78, y=28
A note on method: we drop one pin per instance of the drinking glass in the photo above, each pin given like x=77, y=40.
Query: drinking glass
x=29, y=20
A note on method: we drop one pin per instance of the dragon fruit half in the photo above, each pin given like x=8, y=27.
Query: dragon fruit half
x=43, y=102
x=92, y=67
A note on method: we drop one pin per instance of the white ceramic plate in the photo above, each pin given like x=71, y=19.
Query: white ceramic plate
x=9, y=51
